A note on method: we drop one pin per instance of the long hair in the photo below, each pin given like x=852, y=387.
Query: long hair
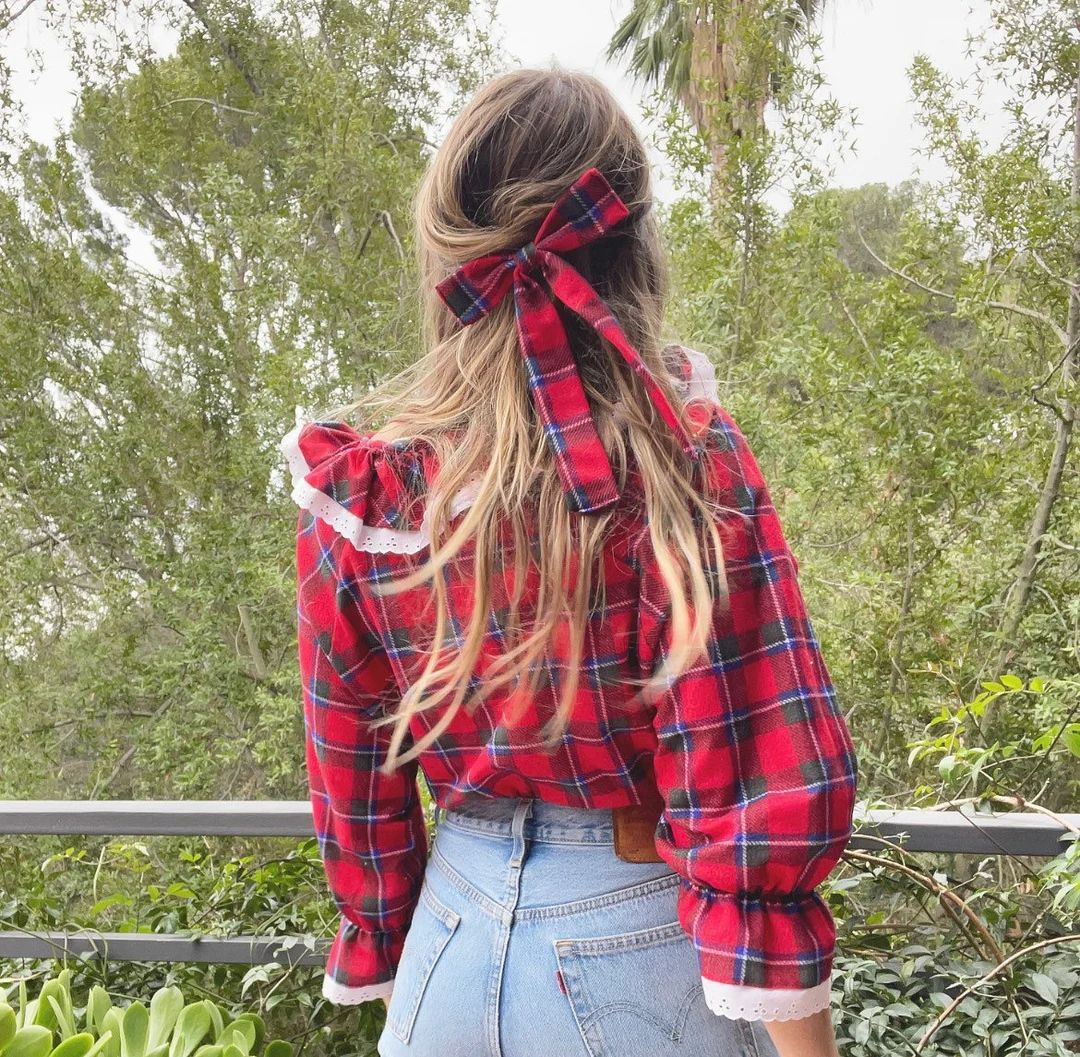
x=520, y=141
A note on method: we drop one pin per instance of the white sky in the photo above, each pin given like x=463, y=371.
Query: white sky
x=868, y=45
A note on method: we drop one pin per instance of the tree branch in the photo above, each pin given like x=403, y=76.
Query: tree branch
x=226, y=45
x=16, y=14
x=208, y=102
x=1003, y=306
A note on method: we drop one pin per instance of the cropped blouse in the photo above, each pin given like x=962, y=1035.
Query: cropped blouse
x=748, y=748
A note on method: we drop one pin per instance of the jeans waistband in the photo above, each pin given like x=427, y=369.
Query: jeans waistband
x=547, y=822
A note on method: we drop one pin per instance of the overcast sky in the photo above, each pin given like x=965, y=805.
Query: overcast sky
x=868, y=45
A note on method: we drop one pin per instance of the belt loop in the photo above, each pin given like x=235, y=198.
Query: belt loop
x=522, y=811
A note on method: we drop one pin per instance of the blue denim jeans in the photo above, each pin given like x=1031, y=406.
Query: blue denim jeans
x=533, y=939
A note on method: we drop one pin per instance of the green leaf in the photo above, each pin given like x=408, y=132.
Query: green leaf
x=1013, y=682
x=241, y=1034
x=102, y=1045
x=77, y=1046
x=165, y=1008
x=1044, y=987
x=217, y=1019
x=192, y=1026
x=116, y=899
x=98, y=1003
x=1070, y=738
x=9, y=1024
x=134, y=1029
x=64, y=1025
x=35, y=1040
x=259, y=1027
x=110, y=1022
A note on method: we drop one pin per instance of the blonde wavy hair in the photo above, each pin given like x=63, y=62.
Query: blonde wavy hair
x=520, y=141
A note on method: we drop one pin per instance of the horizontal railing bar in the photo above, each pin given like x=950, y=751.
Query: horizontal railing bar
x=161, y=818
x=1002, y=833
x=1011, y=833
x=160, y=947
x=969, y=832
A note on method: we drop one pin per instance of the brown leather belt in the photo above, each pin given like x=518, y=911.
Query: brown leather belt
x=635, y=828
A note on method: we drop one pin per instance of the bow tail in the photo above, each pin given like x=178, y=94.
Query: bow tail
x=574, y=291
x=559, y=397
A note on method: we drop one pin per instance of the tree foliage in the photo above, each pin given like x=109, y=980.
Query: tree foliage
x=221, y=237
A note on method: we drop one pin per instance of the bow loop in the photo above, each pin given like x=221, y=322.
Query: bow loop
x=585, y=212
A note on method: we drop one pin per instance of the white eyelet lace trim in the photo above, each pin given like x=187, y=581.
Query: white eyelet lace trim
x=341, y=995
x=765, y=1003
x=375, y=539
x=702, y=376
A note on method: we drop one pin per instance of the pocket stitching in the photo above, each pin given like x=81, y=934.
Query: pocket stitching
x=674, y=1029
x=401, y=1024
x=624, y=941
x=567, y=949
x=445, y=914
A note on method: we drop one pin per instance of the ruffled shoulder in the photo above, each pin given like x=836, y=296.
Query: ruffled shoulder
x=370, y=491
x=695, y=379
x=693, y=371
x=730, y=470
x=730, y=474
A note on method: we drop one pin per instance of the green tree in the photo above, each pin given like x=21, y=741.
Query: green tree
x=221, y=237
x=721, y=59
x=1020, y=202
x=862, y=337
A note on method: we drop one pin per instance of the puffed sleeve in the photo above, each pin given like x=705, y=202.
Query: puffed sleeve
x=754, y=762
x=370, y=825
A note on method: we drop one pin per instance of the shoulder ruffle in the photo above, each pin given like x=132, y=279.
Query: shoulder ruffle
x=730, y=473
x=694, y=372
x=371, y=492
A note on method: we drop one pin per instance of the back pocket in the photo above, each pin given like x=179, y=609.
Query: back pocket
x=640, y=993
x=433, y=923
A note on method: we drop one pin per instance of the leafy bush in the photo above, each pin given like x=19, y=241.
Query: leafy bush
x=49, y=1026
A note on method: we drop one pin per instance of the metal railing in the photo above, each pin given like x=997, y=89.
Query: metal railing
x=1022, y=833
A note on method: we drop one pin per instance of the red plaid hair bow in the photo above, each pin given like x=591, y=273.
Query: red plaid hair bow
x=585, y=212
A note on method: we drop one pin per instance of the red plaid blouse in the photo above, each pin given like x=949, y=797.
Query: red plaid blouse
x=749, y=748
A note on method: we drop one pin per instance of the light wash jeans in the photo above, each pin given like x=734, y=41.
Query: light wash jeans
x=533, y=939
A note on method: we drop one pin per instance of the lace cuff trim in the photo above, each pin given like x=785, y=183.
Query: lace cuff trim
x=340, y=995
x=765, y=1003
x=374, y=539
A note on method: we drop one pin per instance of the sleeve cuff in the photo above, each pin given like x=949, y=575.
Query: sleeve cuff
x=783, y=945
x=765, y=1003
x=341, y=995
x=361, y=965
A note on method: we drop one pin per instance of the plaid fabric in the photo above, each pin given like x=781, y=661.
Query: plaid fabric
x=748, y=748
x=586, y=211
